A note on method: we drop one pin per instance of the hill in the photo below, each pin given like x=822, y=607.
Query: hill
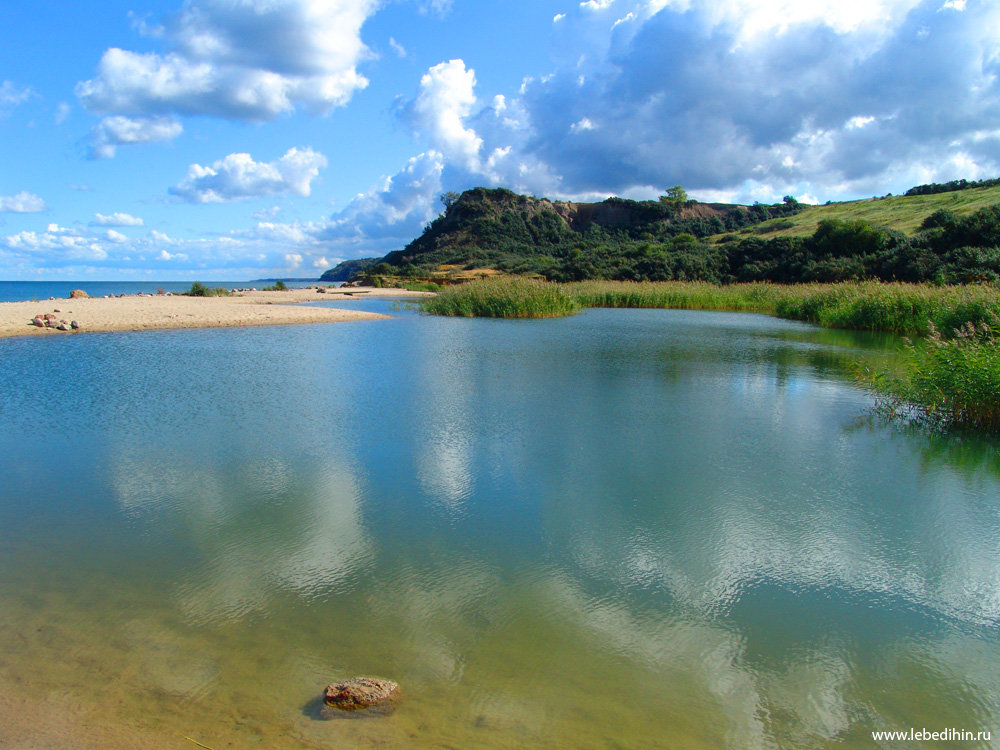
x=942, y=233
x=344, y=271
x=902, y=212
x=498, y=230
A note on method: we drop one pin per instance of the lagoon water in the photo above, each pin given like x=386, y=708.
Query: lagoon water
x=625, y=529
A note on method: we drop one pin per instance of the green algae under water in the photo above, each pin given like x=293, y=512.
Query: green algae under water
x=630, y=528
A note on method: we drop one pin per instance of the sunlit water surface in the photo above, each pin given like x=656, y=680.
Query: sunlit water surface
x=626, y=529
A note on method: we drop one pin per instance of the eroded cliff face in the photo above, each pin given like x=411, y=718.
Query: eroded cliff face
x=577, y=216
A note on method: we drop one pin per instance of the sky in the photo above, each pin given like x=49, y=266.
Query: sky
x=240, y=139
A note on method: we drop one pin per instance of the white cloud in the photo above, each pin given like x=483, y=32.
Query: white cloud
x=122, y=131
x=22, y=203
x=440, y=7
x=11, y=96
x=398, y=48
x=117, y=220
x=239, y=176
x=829, y=97
x=446, y=97
x=62, y=112
x=248, y=60
x=395, y=210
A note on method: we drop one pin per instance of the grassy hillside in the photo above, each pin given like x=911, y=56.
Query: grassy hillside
x=901, y=212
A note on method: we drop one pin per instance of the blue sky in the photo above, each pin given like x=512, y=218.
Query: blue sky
x=231, y=139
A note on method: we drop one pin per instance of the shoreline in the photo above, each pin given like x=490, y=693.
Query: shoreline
x=144, y=312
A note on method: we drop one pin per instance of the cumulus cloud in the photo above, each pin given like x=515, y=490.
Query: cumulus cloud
x=117, y=220
x=249, y=60
x=123, y=131
x=22, y=203
x=728, y=98
x=393, y=212
x=446, y=98
x=239, y=176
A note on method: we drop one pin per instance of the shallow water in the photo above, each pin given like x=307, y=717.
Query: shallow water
x=629, y=528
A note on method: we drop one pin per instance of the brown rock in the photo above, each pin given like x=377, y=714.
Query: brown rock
x=360, y=692
x=38, y=321
x=77, y=293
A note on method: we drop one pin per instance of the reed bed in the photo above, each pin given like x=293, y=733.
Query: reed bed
x=950, y=378
x=945, y=383
x=503, y=297
x=909, y=309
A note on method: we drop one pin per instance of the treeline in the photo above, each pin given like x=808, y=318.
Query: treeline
x=950, y=187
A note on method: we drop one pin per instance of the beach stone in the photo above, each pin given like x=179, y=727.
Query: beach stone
x=51, y=320
x=78, y=293
x=360, y=692
x=39, y=321
x=63, y=326
x=74, y=325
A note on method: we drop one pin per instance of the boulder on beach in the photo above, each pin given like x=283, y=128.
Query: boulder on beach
x=360, y=692
x=78, y=293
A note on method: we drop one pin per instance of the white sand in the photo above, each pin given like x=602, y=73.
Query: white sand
x=150, y=312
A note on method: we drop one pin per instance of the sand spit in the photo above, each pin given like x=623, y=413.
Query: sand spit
x=162, y=311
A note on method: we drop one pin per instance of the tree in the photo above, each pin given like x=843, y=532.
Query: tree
x=449, y=198
x=676, y=194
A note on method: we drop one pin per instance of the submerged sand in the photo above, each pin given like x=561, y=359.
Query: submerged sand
x=157, y=312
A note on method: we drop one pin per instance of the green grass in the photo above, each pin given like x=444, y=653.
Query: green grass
x=503, y=297
x=904, y=213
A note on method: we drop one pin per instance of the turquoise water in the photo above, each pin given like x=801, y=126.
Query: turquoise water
x=628, y=528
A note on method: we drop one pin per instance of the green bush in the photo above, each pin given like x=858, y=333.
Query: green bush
x=200, y=290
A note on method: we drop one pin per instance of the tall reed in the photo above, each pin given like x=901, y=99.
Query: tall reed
x=503, y=297
x=945, y=382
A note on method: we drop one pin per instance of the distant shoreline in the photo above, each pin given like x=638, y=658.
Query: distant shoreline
x=141, y=312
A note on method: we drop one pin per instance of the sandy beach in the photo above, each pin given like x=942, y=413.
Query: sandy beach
x=157, y=312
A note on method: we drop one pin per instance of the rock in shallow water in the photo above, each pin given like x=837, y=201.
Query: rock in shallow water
x=360, y=692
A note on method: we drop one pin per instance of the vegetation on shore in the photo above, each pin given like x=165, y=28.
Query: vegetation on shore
x=950, y=380
x=200, y=290
x=503, y=297
x=944, y=383
x=908, y=309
